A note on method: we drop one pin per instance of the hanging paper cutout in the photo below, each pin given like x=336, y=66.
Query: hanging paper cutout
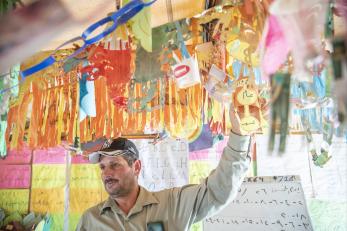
x=115, y=65
x=321, y=156
x=6, y=81
x=339, y=60
x=146, y=96
x=148, y=66
x=182, y=110
x=250, y=101
x=303, y=26
x=186, y=71
x=141, y=28
x=275, y=47
x=87, y=97
x=280, y=85
x=219, y=85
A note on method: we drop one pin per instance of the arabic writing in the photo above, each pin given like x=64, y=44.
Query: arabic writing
x=264, y=203
x=294, y=222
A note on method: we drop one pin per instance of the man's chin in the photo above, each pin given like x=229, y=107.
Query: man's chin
x=109, y=188
x=114, y=194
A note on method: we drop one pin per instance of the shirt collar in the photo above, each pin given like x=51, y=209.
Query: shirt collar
x=145, y=198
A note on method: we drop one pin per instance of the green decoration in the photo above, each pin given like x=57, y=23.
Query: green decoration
x=280, y=84
x=8, y=5
x=7, y=81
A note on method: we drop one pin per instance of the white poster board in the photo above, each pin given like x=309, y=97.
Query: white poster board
x=326, y=183
x=164, y=164
x=263, y=204
x=330, y=182
x=294, y=161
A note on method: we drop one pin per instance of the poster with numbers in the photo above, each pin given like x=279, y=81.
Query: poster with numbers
x=262, y=204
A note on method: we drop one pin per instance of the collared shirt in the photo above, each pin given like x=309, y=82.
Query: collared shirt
x=177, y=208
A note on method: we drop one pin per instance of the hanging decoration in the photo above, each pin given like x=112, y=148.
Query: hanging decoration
x=119, y=17
x=274, y=47
x=316, y=108
x=303, y=26
x=339, y=60
x=141, y=95
x=249, y=103
x=280, y=87
x=6, y=81
x=87, y=96
x=219, y=85
x=185, y=71
x=141, y=28
x=115, y=65
x=321, y=156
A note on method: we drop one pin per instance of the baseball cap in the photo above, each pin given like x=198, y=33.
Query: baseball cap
x=115, y=147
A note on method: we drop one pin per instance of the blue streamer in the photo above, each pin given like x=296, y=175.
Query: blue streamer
x=236, y=68
x=184, y=51
x=119, y=17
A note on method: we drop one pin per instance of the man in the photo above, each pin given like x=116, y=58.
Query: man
x=132, y=207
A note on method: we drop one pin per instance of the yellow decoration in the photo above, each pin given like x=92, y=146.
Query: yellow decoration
x=14, y=200
x=82, y=199
x=85, y=176
x=141, y=28
x=241, y=51
x=247, y=97
x=48, y=176
x=47, y=200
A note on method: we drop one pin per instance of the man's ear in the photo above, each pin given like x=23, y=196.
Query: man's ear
x=137, y=166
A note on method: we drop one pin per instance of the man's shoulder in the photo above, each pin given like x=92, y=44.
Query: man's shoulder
x=95, y=210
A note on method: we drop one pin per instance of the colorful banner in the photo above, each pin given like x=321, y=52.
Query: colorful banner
x=15, y=200
x=47, y=200
x=49, y=156
x=17, y=157
x=48, y=176
x=15, y=176
x=85, y=176
x=78, y=159
x=82, y=199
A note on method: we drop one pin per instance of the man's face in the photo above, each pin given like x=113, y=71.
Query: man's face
x=118, y=177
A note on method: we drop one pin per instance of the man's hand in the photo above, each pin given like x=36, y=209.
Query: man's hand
x=235, y=122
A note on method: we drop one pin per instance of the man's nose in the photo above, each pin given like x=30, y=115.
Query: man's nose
x=106, y=172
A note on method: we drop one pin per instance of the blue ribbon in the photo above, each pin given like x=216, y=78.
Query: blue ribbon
x=119, y=17
x=43, y=64
x=184, y=51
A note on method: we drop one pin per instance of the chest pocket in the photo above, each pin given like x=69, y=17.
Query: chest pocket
x=155, y=226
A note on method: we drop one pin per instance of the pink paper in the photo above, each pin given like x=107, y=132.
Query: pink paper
x=302, y=24
x=79, y=160
x=199, y=155
x=49, y=156
x=15, y=176
x=276, y=47
x=17, y=157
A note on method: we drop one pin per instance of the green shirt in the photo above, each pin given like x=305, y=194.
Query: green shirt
x=177, y=208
